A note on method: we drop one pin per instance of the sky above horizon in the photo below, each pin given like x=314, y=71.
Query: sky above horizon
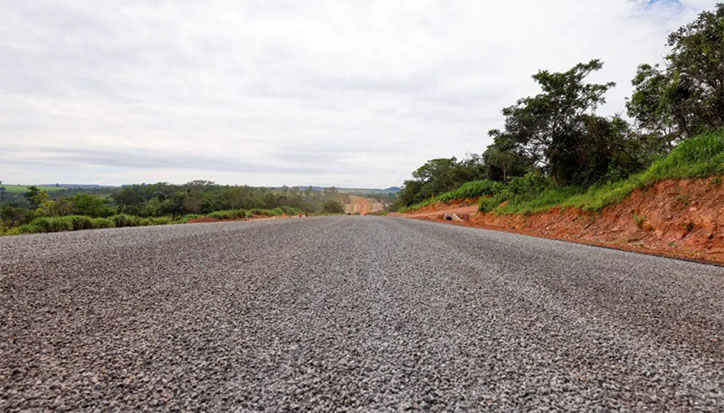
x=331, y=93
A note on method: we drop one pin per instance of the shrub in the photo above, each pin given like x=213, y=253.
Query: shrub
x=29, y=229
x=101, y=223
x=290, y=210
x=160, y=221
x=123, y=220
x=80, y=222
x=468, y=190
x=696, y=157
x=53, y=224
x=229, y=214
x=473, y=189
x=186, y=218
x=332, y=207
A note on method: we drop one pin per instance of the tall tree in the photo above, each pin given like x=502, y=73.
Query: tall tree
x=686, y=97
x=558, y=129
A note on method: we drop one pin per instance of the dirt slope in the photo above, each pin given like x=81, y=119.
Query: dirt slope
x=681, y=218
x=363, y=206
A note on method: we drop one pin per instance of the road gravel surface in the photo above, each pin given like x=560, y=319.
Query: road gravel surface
x=355, y=314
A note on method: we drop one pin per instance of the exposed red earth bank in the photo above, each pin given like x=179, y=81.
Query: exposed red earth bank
x=681, y=218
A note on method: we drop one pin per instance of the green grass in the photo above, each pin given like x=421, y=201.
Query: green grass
x=244, y=213
x=468, y=190
x=24, y=188
x=698, y=157
x=79, y=222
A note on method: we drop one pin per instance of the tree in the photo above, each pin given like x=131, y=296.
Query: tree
x=558, y=130
x=129, y=199
x=51, y=208
x=174, y=204
x=441, y=175
x=503, y=160
x=35, y=196
x=90, y=205
x=686, y=97
x=12, y=216
x=332, y=207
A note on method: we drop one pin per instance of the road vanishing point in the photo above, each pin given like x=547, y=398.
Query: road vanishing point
x=355, y=314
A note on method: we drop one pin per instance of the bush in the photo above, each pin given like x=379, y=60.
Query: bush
x=12, y=216
x=472, y=189
x=29, y=229
x=80, y=222
x=186, y=218
x=10, y=231
x=229, y=214
x=332, y=207
x=53, y=224
x=290, y=210
x=101, y=223
x=123, y=220
x=468, y=190
x=697, y=157
x=160, y=220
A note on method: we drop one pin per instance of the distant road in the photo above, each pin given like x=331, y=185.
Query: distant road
x=362, y=313
x=362, y=205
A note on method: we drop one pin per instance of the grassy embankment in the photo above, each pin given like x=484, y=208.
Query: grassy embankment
x=697, y=157
x=79, y=222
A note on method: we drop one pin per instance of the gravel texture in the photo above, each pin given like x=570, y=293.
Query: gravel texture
x=352, y=313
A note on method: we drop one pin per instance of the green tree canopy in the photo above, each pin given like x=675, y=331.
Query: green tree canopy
x=686, y=96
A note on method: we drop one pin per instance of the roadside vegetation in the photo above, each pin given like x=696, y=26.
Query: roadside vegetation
x=554, y=150
x=157, y=204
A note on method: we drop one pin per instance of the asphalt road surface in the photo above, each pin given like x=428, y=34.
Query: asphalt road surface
x=352, y=313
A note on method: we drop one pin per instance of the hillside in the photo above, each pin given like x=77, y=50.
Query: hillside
x=675, y=207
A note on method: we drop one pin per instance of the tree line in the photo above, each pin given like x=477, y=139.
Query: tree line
x=167, y=200
x=558, y=136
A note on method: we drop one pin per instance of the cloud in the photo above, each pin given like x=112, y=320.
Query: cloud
x=274, y=92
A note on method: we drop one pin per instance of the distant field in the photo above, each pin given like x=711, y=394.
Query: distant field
x=24, y=188
x=367, y=191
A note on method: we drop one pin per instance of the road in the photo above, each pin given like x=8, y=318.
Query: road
x=361, y=313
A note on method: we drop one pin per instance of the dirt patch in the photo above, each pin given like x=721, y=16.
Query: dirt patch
x=363, y=206
x=679, y=218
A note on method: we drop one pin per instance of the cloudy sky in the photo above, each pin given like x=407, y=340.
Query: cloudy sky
x=345, y=93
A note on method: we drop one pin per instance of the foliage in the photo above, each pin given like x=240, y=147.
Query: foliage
x=12, y=216
x=468, y=190
x=437, y=176
x=554, y=145
x=696, y=157
x=91, y=205
x=559, y=132
x=686, y=96
x=332, y=207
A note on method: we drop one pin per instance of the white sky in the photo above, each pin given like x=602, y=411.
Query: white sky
x=345, y=93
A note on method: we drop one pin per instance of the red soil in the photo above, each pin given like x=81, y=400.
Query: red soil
x=679, y=218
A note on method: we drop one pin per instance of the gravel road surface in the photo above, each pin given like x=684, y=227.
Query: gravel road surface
x=352, y=313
